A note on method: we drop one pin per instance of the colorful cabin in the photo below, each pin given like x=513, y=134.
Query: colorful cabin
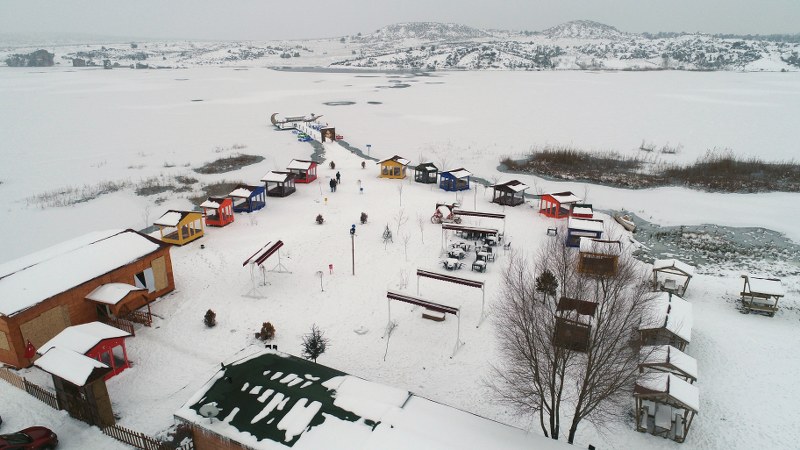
x=557, y=205
x=218, y=211
x=455, y=180
x=582, y=211
x=598, y=257
x=302, y=170
x=278, y=184
x=426, y=173
x=248, y=198
x=578, y=228
x=394, y=167
x=180, y=227
x=96, y=340
x=510, y=193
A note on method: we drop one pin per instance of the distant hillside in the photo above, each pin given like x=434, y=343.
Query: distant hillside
x=426, y=31
x=584, y=29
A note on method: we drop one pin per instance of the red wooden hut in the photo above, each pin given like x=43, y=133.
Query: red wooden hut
x=303, y=171
x=95, y=340
x=557, y=205
x=218, y=211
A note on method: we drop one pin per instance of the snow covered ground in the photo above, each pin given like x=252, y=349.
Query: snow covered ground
x=75, y=128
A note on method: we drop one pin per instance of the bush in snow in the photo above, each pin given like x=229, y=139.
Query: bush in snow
x=320, y=219
x=210, y=318
x=267, y=332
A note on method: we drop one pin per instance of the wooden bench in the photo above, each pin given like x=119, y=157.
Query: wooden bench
x=433, y=315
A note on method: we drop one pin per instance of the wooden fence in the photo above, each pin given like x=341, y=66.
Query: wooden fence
x=140, y=440
x=38, y=392
x=123, y=325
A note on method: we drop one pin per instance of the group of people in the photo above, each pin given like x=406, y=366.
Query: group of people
x=335, y=181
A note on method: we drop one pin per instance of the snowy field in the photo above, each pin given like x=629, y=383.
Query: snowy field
x=73, y=128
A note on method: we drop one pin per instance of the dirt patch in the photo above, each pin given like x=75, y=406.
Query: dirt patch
x=220, y=189
x=229, y=164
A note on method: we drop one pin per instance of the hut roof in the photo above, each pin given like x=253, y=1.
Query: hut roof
x=242, y=192
x=670, y=312
x=575, y=223
x=398, y=159
x=69, y=365
x=565, y=197
x=111, y=293
x=459, y=173
x=659, y=383
x=428, y=167
x=601, y=247
x=276, y=177
x=172, y=218
x=511, y=186
x=667, y=355
x=666, y=264
x=210, y=204
x=81, y=338
x=582, y=210
x=300, y=164
x=766, y=286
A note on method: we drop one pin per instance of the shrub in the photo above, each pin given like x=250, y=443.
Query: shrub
x=314, y=343
x=210, y=318
x=320, y=219
x=267, y=332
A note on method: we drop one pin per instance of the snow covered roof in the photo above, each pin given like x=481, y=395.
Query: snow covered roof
x=669, y=355
x=269, y=400
x=29, y=280
x=670, y=312
x=81, y=338
x=575, y=223
x=300, y=164
x=276, y=177
x=565, y=197
x=661, y=264
x=582, y=210
x=598, y=246
x=513, y=186
x=241, y=192
x=768, y=286
x=69, y=365
x=398, y=159
x=210, y=204
x=673, y=386
x=459, y=173
x=172, y=218
x=427, y=166
x=111, y=293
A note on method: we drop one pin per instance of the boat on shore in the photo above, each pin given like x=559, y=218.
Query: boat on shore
x=626, y=221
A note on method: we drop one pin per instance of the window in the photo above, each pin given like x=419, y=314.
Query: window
x=145, y=279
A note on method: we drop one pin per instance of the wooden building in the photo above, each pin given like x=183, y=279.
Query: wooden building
x=218, y=211
x=574, y=323
x=278, y=184
x=394, y=167
x=95, y=340
x=666, y=358
x=510, y=193
x=668, y=321
x=303, y=171
x=671, y=275
x=180, y=227
x=248, y=198
x=45, y=292
x=665, y=405
x=582, y=210
x=557, y=205
x=599, y=257
x=762, y=294
x=583, y=228
x=455, y=180
x=426, y=173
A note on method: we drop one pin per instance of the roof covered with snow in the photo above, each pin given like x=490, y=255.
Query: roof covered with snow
x=276, y=177
x=29, y=280
x=211, y=204
x=69, y=365
x=398, y=159
x=511, y=186
x=565, y=197
x=585, y=224
x=598, y=246
x=300, y=164
x=662, y=264
x=668, y=355
x=586, y=210
x=111, y=293
x=767, y=286
x=242, y=192
x=82, y=338
x=458, y=173
x=172, y=218
x=673, y=386
x=670, y=312
x=269, y=400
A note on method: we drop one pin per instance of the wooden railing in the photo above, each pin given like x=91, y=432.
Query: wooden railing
x=143, y=318
x=12, y=378
x=38, y=392
x=122, y=324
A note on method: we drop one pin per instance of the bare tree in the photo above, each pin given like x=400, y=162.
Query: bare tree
x=400, y=218
x=405, y=238
x=400, y=191
x=421, y=223
x=540, y=375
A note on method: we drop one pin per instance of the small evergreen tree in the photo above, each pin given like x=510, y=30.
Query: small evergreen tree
x=546, y=283
x=314, y=343
x=210, y=319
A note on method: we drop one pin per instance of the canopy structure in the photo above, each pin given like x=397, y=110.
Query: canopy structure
x=427, y=304
x=481, y=214
x=112, y=293
x=456, y=280
x=71, y=366
x=666, y=358
x=665, y=405
x=483, y=232
x=582, y=210
x=455, y=180
x=762, y=294
x=599, y=257
x=510, y=193
x=667, y=321
x=278, y=184
x=574, y=320
x=257, y=259
x=671, y=275
x=304, y=171
x=95, y=340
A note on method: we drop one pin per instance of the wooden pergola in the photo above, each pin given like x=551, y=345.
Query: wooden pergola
x=428, y=305
x=668, y=321
x=671, y=275
x=483, y=232
x=666, y=358
x=574, y=323
x=278, y=184
x=665, y=405
x=510, y=193
x=599, y=257
x=762, y=294
x=456, y=280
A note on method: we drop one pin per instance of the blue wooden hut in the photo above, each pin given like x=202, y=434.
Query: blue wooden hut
x=248, y=198
x=578, y=228
x=455, y=180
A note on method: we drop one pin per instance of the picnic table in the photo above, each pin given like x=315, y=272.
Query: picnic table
x=457, y=253
x=479, y=266
x=452, y=264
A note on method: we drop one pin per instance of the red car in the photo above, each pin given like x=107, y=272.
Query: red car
x=33, y=438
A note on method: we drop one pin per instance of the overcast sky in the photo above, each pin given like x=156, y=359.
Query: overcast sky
x=298, y=19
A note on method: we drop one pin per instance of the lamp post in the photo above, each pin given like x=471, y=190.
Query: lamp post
x=353, y=246
x=369, y=147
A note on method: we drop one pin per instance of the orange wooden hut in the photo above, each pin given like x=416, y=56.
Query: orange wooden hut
x=218, y=211
x=557, y=205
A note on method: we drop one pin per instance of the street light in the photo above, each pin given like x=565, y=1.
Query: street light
x=369, y=146
x=353, y=246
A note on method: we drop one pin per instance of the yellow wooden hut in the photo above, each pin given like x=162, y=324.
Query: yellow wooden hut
x=180, y=227
x=394, y=167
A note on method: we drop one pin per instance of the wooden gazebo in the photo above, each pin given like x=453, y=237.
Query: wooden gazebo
x=665, y=405
x=671, y=275
x=666, y=358
x=583, y=228
x=278, y=184
x=599, y=257
x=218, y=211
x=248, y=198
x=668, y=321
x=394, y=167
x=95, y=340
x=510, y=193
x=180, y=227
x=455, y=180
x=426, y=173
x=303, y=171
x=574, y=323
x=558, y=204
x=762, y=294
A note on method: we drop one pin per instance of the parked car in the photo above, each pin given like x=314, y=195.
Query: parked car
x=33, y=438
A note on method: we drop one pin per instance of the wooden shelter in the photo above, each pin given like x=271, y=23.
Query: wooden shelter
x=582, y=210
x=574, y=323
x=248, y=198
x=455, y=180
x=426, y=173
x=665, y=405
x=98, y=276
x=557, y=205
x=762, y=294
x=80, y=385
x=180, y=227
x=95, y=340
x=580, y=228
x=278, y=184
x=671, y=275
x=510, y=193
x=218, y=211
x=394, y=167
x=303, y=171
x=666, y=358
x=598, y=257
x=668, y=321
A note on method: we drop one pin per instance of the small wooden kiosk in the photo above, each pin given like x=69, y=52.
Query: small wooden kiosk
x=180, y=227
x=665, y=405
x=557, y=205
x=278, y=184
x=510, y=193
x=574, y=323
x=762, y=294
x=302, y=170
x=248, y=198
x=455, y=180
x=95, y=340
x=668, y=321
x=599, y=257
x=671, y=275
x=580, y=228
x=394, y=167
x=426, y=173
x=218, y=211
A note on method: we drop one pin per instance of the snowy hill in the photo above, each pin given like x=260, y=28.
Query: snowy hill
x=585, y=29
x=426, y=31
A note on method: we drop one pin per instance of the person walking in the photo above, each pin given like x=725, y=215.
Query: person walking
x=338, y=177
x=332, y=185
